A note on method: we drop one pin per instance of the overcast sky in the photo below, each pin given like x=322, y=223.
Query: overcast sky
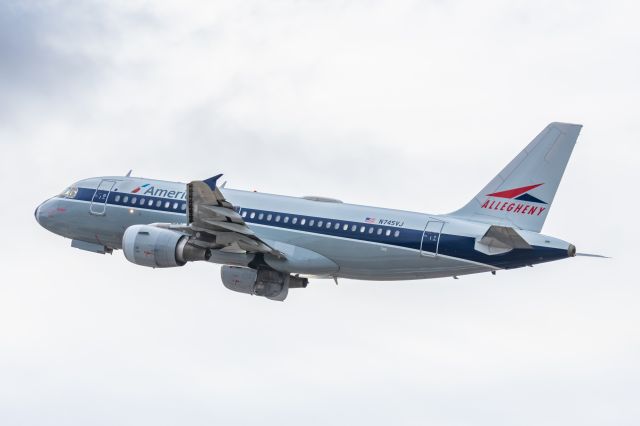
x=409, y=105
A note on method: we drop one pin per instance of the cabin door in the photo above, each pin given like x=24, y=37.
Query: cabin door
x=430, y=243
x=98, y=204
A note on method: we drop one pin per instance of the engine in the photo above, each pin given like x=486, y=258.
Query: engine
x=160, y=248
x=268, y=283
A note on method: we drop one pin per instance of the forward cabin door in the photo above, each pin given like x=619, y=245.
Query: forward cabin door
x=430, y=243
x=98, y=204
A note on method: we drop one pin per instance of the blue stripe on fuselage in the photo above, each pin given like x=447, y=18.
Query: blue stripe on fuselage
x=450, y=245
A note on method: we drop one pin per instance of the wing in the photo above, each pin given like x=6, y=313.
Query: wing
x=215, y=223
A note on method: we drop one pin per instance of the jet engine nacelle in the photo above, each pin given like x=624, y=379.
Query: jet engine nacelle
x=271, y=284
x=159, y=248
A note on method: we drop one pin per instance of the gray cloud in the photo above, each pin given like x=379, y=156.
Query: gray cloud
x=34, y=68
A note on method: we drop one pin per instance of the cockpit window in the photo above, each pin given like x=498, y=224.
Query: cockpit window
x=70, y=192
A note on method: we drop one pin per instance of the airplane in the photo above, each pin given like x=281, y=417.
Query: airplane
x=268, y=244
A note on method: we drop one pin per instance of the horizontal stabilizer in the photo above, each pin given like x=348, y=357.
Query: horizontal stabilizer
x=500, y=239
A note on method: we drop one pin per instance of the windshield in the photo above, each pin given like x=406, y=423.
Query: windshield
x=70, y=192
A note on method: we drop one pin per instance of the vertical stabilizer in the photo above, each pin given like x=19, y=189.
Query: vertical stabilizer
x=522, y=193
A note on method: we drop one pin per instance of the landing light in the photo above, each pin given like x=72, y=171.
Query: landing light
x=131, y=210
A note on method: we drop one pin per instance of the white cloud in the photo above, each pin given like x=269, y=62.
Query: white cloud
x=412, y=105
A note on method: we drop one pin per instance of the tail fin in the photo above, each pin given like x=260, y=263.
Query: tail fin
x=522, y=193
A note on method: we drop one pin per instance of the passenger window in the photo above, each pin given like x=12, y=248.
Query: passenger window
x=395, y=234
x=175, y=206
x=183, y=207
x=328, y=224
x=141, y=201
x=303, y=221
x=117, y=199
x=345, y=227
x=388, y=232
x=166, y=204
x=319, y=224
x=269, y=216
x=278, y=218
x=379, y=231
x=362, y=228
x=286, y=219
x=133, y=200
x=311, y=222
x=260, y=216
x=158, y=203
x=125, y=199
x=294, y=220
x=371, y=229
x=244, y=213
x=353, y=228
x=337, y=225
x=151, y=202
x=252, y=215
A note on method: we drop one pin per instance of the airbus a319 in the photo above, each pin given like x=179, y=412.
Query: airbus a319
x=269, y=244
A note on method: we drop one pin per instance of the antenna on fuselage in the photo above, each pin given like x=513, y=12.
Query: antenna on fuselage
x=129, y=173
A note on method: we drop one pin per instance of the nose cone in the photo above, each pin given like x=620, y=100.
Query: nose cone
x=36, y=214
x=41, y=215
x=53, y=216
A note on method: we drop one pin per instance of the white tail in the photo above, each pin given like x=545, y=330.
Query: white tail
x=522, y=193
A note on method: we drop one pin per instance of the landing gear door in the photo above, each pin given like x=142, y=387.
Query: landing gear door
x=98, y=204
x=430, y=243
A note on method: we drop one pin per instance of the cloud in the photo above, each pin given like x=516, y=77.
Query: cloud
x=409, y=105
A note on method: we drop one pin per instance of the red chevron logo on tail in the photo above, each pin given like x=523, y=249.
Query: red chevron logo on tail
x=519, y=194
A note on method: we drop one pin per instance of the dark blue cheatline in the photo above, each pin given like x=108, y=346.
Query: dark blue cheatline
x=450, y=245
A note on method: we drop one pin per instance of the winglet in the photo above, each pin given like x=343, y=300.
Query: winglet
x=211, y=182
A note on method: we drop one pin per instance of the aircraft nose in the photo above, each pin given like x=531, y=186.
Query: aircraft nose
x=38, y=214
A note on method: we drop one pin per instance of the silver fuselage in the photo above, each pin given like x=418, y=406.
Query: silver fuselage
x=367, y=243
